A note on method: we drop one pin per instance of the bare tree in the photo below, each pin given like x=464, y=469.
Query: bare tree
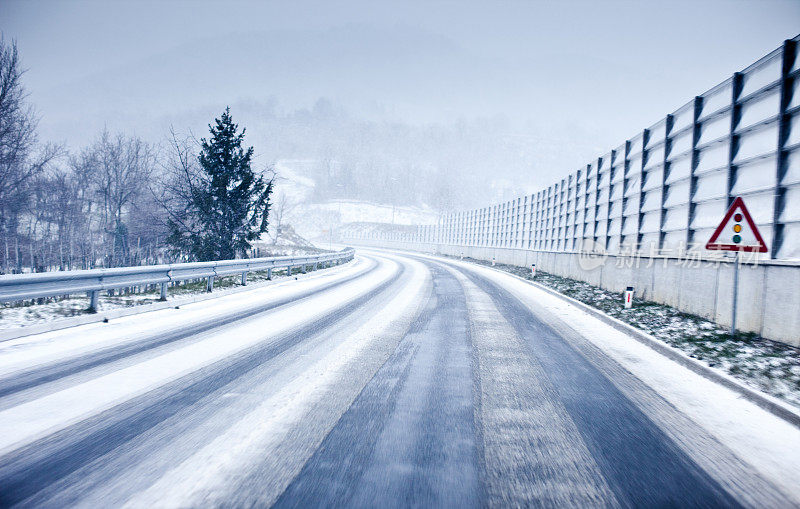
x=175, y=185
x=123, y=167
x=284, y=206
x=20, y=158
x=83, y=167
x=17, y=122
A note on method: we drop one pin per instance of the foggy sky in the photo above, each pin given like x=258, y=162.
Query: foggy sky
x=577, y=78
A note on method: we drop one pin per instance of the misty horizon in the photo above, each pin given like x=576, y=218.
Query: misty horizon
x=549, y=106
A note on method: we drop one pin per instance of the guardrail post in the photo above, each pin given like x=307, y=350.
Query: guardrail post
x=244, y=278
x=163, y=291
x=210, y=283
x=94, y=297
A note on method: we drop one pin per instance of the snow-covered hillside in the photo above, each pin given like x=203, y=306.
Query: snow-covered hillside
x=293, y=205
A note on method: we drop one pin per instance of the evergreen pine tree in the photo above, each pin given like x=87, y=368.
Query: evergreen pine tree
x=229, y=202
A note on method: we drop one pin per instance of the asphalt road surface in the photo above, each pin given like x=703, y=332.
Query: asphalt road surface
x=396, y=380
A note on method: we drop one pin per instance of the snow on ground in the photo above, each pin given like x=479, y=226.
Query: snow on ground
x=59, y=345
x=296, y=187
x=28, y=421
x=14, y=315
x=288, y=243
x=769, y=366
x=318, y=220
x=354, y=211
x=258, y=433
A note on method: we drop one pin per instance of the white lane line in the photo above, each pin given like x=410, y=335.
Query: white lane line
x=525, y=427
x=31, y=351
x=285, y=429
x=25, y=423
x=766, y=442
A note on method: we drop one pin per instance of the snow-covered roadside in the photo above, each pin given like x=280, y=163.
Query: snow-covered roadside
x=768, y=366
x=16, y=315
x=31, y=420
x=758, y=437
x=59, y=345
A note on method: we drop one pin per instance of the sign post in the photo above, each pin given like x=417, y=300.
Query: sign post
x=738, y=233
x=735, y=293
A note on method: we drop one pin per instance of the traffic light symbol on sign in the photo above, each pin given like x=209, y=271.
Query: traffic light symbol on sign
x=737, y=231
x=737, y=228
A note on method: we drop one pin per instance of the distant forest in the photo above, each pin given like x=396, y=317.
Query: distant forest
x=121, y=201
x=105, y=203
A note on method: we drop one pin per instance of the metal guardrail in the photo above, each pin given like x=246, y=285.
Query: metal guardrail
x=49, y=284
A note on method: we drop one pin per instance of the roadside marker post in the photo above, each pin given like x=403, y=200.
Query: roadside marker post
x=628, y=297
x=492, y=261
x=737, y=233
x=533, y=270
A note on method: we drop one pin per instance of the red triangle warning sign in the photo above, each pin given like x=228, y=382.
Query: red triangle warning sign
x=737, y=231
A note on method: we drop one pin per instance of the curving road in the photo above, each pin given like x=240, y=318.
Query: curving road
x=395, y=380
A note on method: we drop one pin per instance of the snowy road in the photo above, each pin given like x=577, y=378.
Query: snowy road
x=394, y=380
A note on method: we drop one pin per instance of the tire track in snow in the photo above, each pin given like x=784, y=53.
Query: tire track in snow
x=409, y=437
x=25, y=380
x=640, y=463
x=251, y=464
x=208, y=453
x=534, y=454
x=33, y=467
